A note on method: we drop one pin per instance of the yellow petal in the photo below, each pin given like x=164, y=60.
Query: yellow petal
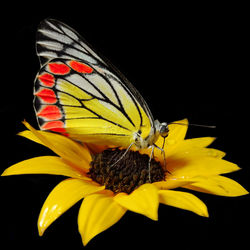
x=218, y=185
x=62, y=197
x=183, y=166
x=196, y=152
x=206, y=152
x=200, y=142
x=143, y=200
x=97, y=213
x=44, y=165
x=196, y=147
x=183, y=200
x=177, y=132
x=172, y=183
x=96, y=149
x=184, y=152
x=29, y=135
x=63, y=146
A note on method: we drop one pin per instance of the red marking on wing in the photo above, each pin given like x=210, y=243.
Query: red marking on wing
x=47, y=79
x=59, y=68
x=56, y=126
x=80, y=67
x=47, y=95
x=50, y=112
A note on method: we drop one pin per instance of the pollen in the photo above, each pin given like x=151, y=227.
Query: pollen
x=128, y=173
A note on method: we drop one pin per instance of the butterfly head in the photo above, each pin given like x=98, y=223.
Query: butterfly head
x=163, y=129
x=159, y=129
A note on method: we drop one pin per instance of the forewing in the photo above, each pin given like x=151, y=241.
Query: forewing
x=79, y=94
x=57, y=40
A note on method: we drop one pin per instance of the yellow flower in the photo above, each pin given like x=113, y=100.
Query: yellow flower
x=190, y=165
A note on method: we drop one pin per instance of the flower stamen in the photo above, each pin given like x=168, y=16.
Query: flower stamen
x=128, y=173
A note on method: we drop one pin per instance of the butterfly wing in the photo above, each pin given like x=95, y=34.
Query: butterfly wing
x=57, y=40
x=79, y=94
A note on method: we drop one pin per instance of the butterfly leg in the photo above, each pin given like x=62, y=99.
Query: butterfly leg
x=122, y=155
x=164, y=158
x=149, y=163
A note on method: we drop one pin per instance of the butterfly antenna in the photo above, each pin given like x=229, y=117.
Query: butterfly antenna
x=194, y=124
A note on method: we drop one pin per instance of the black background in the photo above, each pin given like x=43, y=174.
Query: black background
x=188, y=61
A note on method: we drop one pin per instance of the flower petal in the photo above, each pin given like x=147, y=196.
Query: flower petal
x=183, y=200
x=172, y=183
x=200, y=142
x=143, y=200
x=218, y=185
x=177, y=132
x=183, y=166
x=29, y=135
x=96, y=149
x=63, y=146
x=62, y=197
x=44, y=165
x=196, y=153
x=183, y=152
x=97, y=213
x=197, y=147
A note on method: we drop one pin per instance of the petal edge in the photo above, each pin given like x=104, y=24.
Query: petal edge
x=97, y=213
x=184, y=201
x=144, y=200
x=44, y=165
x=218, y=185
x=61, y=198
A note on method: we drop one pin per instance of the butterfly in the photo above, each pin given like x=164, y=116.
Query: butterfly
x=81, y=95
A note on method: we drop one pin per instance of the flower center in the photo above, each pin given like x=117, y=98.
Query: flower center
x=128, y=172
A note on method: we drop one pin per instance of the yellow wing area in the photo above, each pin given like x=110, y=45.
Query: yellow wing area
x=99, y=120
x=78, y=94
x=95, y=107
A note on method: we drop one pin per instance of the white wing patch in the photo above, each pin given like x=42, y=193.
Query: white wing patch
x=82, y=83
x=51, y=45
x=56, y=36
x=69, y=33
x=56, y=40
x=52, y=26
x=103, y=85
x=90, y=96
x=78, y=54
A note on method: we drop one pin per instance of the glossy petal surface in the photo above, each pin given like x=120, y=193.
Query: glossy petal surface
x=183, y=166
x=61, y=198
x=98, y=212
x=200, y=142
x=177, y=132
x=183, y=200
x=45, y=165
x=218, y=185
x=29, y=135
x=172, y=183
x=143, y=200
x=68, y=149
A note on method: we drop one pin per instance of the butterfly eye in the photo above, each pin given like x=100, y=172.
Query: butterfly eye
x=164, y=129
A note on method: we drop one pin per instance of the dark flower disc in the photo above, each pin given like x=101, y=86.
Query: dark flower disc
x=124, y=173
